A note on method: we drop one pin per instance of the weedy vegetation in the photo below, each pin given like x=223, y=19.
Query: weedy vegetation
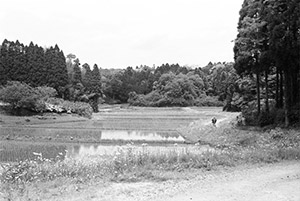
x=235, y=147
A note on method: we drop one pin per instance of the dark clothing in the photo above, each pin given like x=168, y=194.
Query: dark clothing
x=214, y=121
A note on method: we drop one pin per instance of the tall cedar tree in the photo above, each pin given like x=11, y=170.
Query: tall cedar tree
x=6, y=61
x=69, y=64
x=95, y=81
x=33, y=65
x=19, y=67
x=247, y=49
x=94, y=86
x=284, y=25
x=269, y=34
x=57, y=75
x=87, y=77
x=77, y=78
x=2, y=74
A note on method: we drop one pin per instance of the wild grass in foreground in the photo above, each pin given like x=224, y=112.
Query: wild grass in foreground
x=128, y=165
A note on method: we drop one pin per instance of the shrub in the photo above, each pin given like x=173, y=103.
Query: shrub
x=40, y=99
x=274, y=117
x=209, y=101
x=295, y=115
x=155, y=99
x=80, y=108
x=20, y=95
x=137, y=100
x=46, y=92
x=265, y=119
x=17, y=94
x=249, y=112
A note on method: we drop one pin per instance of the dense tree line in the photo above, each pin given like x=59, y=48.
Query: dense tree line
x=84, y=84
x=49, y=67
x=118, y=84
x=165, y=85
x=171, y=85
x=268, y=46
x=34, y=65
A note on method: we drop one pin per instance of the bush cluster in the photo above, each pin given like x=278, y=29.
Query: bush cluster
x=274, y=117
x=209, y=101
x=20, y=95
x=80, y=108
x=155, y=99
x=40, y=99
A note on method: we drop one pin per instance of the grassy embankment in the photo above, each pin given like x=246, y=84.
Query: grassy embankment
x=231, y=147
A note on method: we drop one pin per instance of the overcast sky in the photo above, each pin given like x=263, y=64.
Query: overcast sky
x=122, y=33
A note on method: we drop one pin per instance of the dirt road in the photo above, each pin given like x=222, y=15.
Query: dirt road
x=274, y=182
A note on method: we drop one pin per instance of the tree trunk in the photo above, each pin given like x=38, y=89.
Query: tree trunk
x=286, y=99
x=277, y=88
x=281, y=89
x=267, y=91
x=258, y=91
x=295, y=87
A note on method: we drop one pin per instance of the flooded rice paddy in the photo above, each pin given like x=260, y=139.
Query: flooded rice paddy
x=11, y=151
x=151, y=130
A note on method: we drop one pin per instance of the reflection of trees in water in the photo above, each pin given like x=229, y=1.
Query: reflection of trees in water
x=94, y=135
x=76, y=149
x=162, y=134
x=19, y=152
x=168, y=134
x=73, y=150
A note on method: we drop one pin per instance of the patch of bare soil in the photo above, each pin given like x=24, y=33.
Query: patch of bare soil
x=276, y=182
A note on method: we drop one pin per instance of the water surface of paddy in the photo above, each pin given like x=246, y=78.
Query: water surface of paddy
x=61, y=136
x=20, y=151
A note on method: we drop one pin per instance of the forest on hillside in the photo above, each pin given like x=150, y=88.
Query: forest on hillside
x=263, y=81
x=165, y=85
